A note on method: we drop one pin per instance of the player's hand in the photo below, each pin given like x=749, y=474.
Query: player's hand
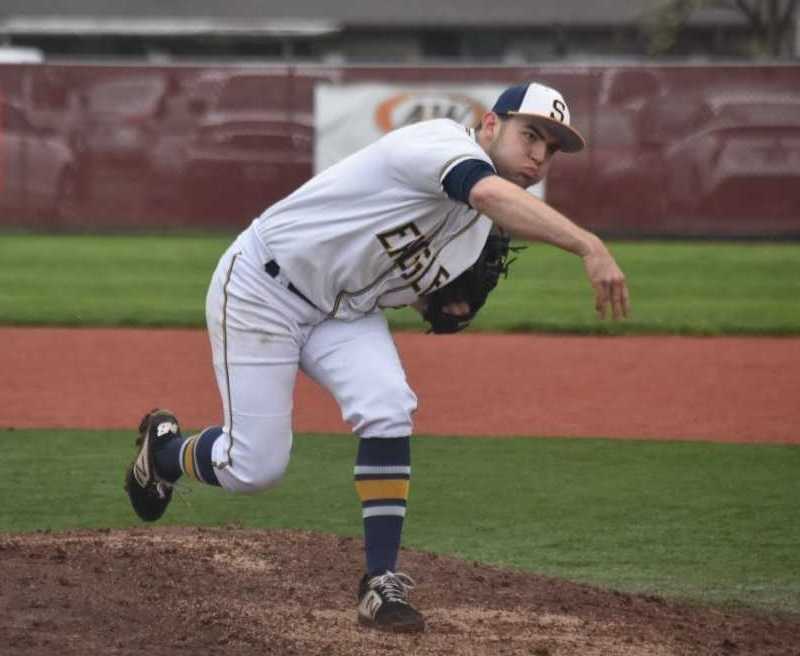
x=608, y=281
x=457, y=309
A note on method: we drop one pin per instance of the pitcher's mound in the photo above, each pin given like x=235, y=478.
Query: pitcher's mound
x=233, y=591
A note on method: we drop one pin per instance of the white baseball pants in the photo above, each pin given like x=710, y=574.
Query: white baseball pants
x=260, y=334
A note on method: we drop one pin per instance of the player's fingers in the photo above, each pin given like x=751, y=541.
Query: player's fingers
x=618, y=299
x=601, y=299
x=626, y=301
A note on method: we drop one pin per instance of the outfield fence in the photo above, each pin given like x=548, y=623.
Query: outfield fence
x=673, y=150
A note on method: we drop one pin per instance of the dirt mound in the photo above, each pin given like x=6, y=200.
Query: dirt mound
x=234, y=591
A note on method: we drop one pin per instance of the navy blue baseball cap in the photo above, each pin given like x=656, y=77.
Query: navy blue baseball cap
x=549, y=108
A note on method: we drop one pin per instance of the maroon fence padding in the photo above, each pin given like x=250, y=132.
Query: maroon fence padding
x=673, y=150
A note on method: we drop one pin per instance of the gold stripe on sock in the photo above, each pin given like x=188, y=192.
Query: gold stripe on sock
x=188, y=458
x=382, y=489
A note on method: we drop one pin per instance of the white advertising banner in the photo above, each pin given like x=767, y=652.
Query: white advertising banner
x=350, y=116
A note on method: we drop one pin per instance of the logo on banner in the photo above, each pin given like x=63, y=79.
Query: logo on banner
x=411, y=107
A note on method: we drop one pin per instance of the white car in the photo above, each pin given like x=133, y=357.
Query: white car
x=20, y=55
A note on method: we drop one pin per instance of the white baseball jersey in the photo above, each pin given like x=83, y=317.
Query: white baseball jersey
x=377, y=229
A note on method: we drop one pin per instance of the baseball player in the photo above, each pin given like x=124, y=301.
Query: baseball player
x=304, y=286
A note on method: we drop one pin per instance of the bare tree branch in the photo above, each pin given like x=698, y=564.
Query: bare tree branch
x=752, y=13
x=786, y=19
x=770, y=21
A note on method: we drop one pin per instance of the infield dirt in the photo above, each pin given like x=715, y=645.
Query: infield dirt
x=243, y=592
x=722, y=389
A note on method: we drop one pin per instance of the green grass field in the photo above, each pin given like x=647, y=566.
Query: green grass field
x=676, y=287
x=708, y=522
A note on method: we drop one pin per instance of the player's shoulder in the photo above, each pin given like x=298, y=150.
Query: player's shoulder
x=442, y=127
x=438, y=135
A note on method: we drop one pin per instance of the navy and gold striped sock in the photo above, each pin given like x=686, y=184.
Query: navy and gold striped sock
x=382, y=475
x=195, y=456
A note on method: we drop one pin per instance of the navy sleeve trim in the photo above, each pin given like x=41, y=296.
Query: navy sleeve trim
x=462, y=178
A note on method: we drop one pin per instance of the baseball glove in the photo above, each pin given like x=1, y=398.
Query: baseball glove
x=472, y=287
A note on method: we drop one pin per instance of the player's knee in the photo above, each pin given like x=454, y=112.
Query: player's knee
x=265, y=478
x=257, y=476
x=256, y=465
x=386, y=412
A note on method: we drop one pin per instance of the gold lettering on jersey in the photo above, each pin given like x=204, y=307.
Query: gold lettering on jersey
x=411, y=252
x=409, y=249
x=442, y=275
x=397, y=240
x=414, y=258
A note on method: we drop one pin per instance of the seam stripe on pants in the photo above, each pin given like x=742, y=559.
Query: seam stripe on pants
x=225, y=352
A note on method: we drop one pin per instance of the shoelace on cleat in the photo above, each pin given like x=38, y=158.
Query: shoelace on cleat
x=162, y=487
x=181, y=491
x=393, y=586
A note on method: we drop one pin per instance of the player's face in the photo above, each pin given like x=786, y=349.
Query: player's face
x=521, y=150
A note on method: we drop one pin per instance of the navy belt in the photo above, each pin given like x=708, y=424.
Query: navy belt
x=273, y=269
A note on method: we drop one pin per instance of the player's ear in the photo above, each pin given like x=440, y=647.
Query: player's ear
x=490, y=122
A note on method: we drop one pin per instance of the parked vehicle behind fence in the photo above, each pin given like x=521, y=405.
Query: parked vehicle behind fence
x=120, y=117
x=37, y=168
x=232, y=145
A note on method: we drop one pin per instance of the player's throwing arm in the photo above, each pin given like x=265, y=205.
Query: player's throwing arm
x=527, y=217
